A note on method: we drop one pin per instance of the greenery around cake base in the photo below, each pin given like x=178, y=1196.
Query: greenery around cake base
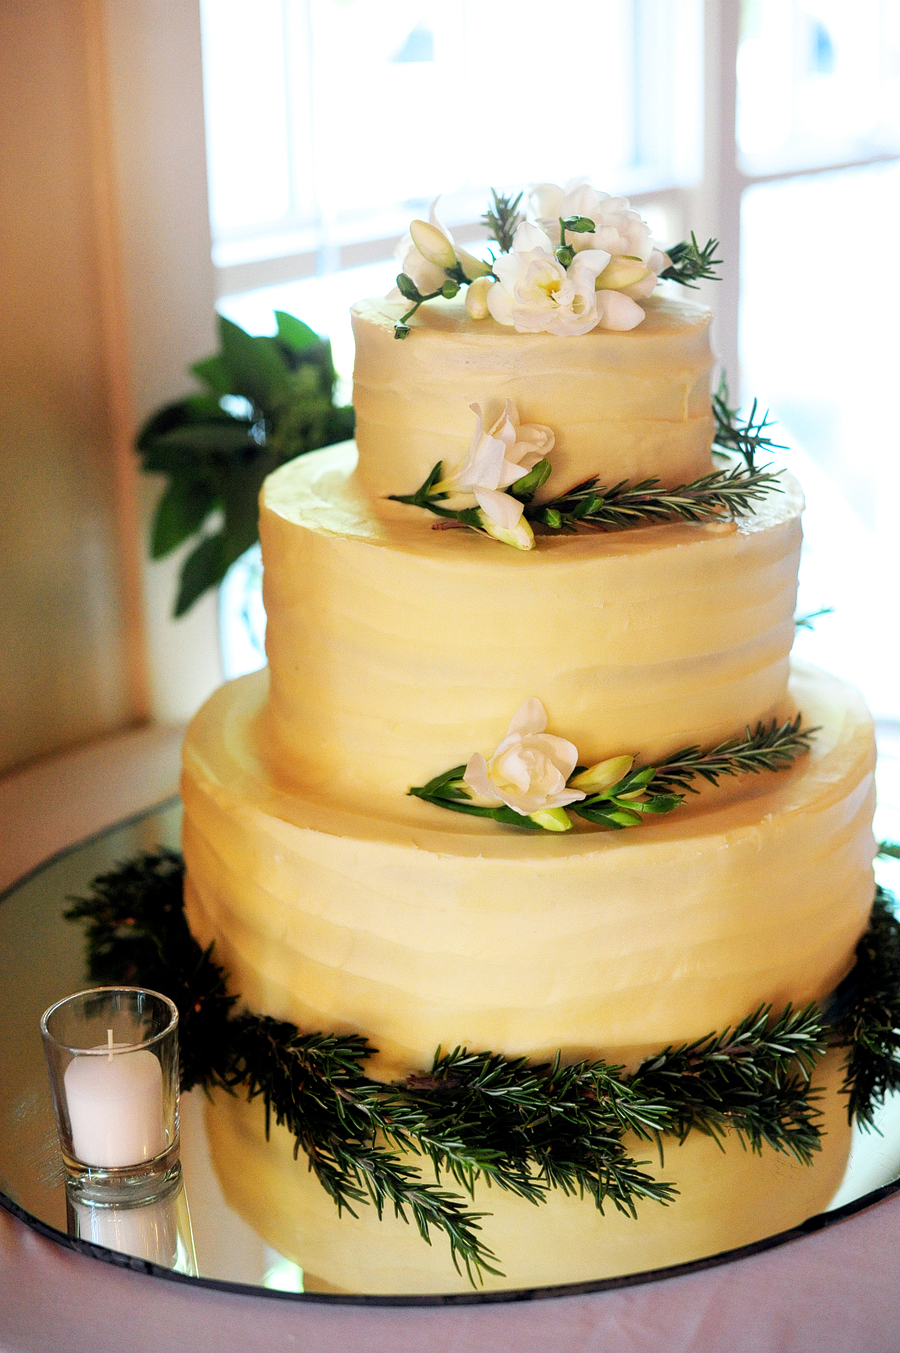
x=522, y=1127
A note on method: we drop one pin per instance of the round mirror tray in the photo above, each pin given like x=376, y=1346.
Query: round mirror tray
x=245, y=1223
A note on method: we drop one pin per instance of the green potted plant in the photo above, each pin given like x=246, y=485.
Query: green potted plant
x=265, y=400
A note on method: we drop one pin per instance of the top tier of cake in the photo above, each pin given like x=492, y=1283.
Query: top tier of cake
x=628, y=405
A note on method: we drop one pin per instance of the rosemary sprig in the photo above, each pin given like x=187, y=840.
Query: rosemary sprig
x=770, y=747
x=808, y=621
x=502, y=217
x=315, y=1088
x=627, y=504
x=477, y=1115
x=747, y=438
x=137, y=933
x=690, y=264
x=752, y=1080
x=865, y=1010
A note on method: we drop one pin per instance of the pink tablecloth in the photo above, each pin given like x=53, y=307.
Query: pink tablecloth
x=837, y=1291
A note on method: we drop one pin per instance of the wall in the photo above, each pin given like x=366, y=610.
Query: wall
x=106, y=294
x=67, y=668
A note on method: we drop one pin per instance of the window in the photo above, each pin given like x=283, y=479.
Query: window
x=332, y=122
x=818, y=135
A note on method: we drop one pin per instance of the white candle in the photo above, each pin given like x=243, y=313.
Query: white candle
x=116, y=1108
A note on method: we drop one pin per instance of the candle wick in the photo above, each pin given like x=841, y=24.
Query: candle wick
x=109, y=1042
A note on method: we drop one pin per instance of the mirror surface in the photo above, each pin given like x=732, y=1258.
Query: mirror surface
x=42, y=958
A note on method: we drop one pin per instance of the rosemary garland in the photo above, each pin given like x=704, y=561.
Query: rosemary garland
x=477, y=1115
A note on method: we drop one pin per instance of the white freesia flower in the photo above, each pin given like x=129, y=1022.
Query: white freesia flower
x=535, y=294
x=428, y=275
x=619, y=229
x=635, y=261
x=529, y=770
x=497, y=459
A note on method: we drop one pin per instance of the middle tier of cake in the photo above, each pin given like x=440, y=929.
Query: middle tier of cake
x=396, y=651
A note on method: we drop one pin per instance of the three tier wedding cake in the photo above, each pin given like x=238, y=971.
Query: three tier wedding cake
x=455, y=609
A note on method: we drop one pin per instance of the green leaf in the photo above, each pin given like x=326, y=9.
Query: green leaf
x=514, y=819
x=202, y=570
x=240, y=497
x=525, y=488
x=213, y=372
x=253, y=365
x=293, y=332
x=660, y=803
x=445, y=778
x=195, y=443
x=579, y=225
x=340, y=424
x=183, y=413
x=181, y=511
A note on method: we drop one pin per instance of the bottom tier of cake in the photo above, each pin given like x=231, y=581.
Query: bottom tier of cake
x=444, y=929
x=726, y=1199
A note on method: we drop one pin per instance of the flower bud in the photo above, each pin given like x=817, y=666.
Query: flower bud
x=449, y=289
x=407, y=287
x=552, y=819
x=520, y=535
x=603, y=775
x=471, y=266
x=565, y=254
x=433, y=244
x=476, y=297
x=620, y=273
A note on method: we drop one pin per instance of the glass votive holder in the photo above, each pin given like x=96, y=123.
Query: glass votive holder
x=113, y=1059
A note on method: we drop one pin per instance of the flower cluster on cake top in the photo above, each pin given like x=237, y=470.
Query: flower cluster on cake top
x=581, y=259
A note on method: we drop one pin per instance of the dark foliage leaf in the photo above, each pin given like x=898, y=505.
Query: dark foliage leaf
x=253, y=365
x=214, y=459
x=865, y=1011
x=182, y=510
x=183, y=413
x=294, y=333
x=204, y=568
x=196, y=446
x=214, y=373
